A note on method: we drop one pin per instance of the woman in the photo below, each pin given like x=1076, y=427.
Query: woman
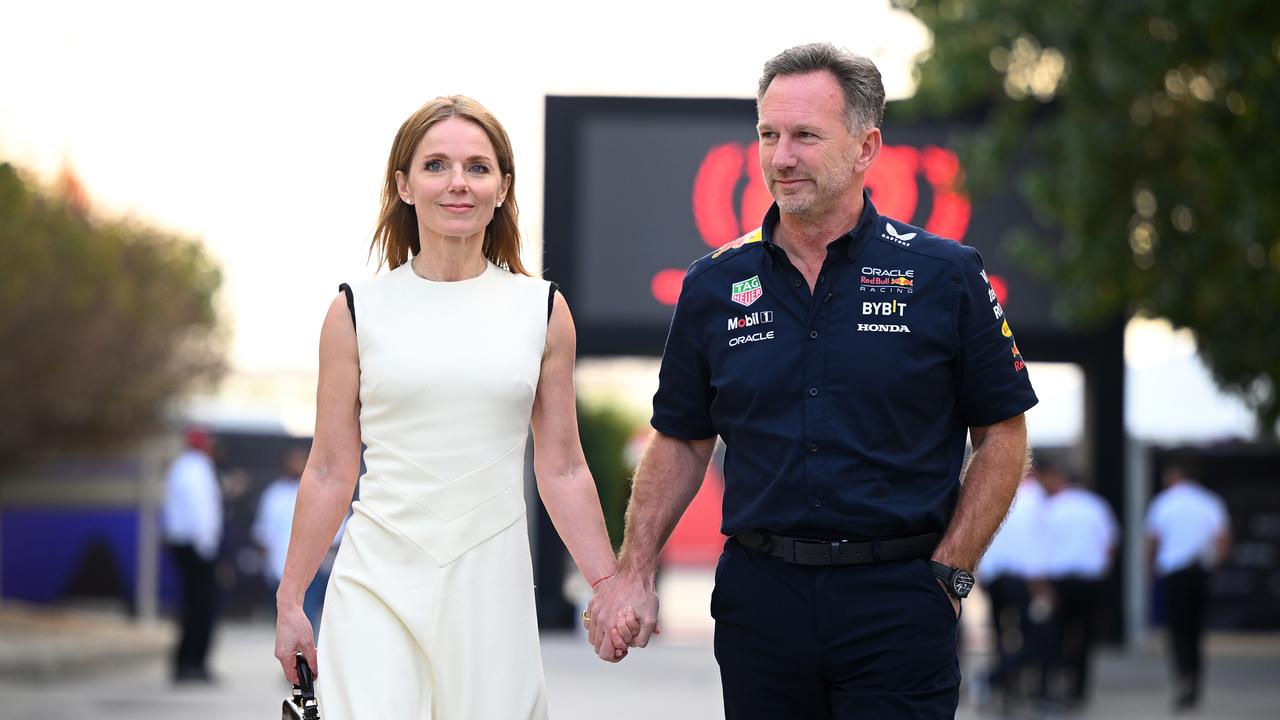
x=439, y=367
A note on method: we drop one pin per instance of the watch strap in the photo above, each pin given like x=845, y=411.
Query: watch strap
x=947, y=575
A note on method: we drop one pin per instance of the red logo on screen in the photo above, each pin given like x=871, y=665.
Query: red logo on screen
x=730, y=197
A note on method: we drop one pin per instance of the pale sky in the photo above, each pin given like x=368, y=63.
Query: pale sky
x=263, y=127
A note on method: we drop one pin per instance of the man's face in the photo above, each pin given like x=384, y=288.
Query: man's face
x=808, y=156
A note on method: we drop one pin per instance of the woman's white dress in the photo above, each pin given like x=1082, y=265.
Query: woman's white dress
x=430, y=611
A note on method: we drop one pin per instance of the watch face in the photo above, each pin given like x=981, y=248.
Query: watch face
x=962, y=582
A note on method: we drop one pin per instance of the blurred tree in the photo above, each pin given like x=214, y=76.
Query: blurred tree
x=102, y=322
x=605, y=431
x=1144, y=132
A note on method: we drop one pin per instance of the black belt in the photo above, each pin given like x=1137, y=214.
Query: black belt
x=803, y=551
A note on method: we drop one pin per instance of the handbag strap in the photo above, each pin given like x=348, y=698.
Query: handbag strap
x=305, y=691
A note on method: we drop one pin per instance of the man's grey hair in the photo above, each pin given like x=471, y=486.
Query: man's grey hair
x=858, y=77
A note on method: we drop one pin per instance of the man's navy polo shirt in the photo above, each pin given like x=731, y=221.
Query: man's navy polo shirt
x=844, y=411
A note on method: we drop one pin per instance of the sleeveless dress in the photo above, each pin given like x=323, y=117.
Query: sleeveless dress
x=429, y=611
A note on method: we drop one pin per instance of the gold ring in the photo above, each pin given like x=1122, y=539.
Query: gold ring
x=586, y=617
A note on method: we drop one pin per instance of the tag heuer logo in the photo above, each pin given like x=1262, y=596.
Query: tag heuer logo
x=747, y=291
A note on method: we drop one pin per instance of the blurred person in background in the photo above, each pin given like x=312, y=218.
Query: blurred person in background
x=1188, y=533
x=1080, y=537
x=1009, y=570
x=440, y=367
x=870, y=351
x=272, y=526
x=192, y=520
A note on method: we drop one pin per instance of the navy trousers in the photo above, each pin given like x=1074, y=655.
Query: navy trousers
x=842, y=642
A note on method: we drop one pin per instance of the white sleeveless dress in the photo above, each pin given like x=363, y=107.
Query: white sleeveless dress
x=429, y=611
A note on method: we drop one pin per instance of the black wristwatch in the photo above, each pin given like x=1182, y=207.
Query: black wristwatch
x=957, y=580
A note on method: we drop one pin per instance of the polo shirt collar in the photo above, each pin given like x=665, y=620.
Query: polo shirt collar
x=852, y=240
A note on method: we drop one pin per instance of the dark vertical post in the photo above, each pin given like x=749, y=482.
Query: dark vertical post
x=1104, y=439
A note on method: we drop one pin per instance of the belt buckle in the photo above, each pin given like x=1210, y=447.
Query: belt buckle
x=815, y=552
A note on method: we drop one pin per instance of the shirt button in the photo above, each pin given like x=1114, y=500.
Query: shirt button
x=828, y=297
x=817, y=503
x=813, y=392
x=813, y=334
x=796, y=283
x=813, y=447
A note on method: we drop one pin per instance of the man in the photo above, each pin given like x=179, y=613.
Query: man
x=842, y=357
x=193, y=530
x=1188, y=532
x=1011, y=568
x=273, y=525
x=1080, y=540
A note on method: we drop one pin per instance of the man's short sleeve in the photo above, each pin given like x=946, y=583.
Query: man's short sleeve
x=1151, y=521
x=993, y=382
x=682, y=405
x=1111, y=526
x=1221, y=521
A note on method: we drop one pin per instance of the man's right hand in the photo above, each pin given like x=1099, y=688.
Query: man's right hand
x=293, y=635
x=625, y=608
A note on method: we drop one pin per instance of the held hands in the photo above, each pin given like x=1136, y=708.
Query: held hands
x=293, y=634
x=623, y=613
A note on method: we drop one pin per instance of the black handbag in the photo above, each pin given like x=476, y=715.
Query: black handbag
x=302, y=705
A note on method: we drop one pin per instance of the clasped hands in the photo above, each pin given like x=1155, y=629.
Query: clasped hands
x=622, y=614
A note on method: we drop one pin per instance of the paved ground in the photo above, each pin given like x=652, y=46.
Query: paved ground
x=669, y=680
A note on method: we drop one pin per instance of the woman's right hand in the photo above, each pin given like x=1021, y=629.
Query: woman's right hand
x=294, y=635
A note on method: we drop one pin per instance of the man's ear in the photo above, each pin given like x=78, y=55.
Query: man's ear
x=869, y=151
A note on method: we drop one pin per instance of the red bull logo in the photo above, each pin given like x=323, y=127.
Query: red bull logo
x=754, y=236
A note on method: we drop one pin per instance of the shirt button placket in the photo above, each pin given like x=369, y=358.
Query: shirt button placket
x=815, y=475
x=813, y=480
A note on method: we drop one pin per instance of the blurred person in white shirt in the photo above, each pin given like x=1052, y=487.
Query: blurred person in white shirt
x=1008, y=572
x=273, y=525
x=192, y=522
x=1081, y=536
x=1188, y=533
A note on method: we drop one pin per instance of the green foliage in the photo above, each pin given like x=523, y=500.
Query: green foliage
x=101, y=323
x=605, y=432
x=1146, y=131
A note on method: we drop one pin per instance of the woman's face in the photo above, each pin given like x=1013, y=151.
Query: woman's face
x=453, y=180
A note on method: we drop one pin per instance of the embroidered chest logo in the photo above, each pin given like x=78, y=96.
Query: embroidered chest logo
x=903, y=239
x=892, y=308
x=759, y=317
x=747, y=291
x=882, y=280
